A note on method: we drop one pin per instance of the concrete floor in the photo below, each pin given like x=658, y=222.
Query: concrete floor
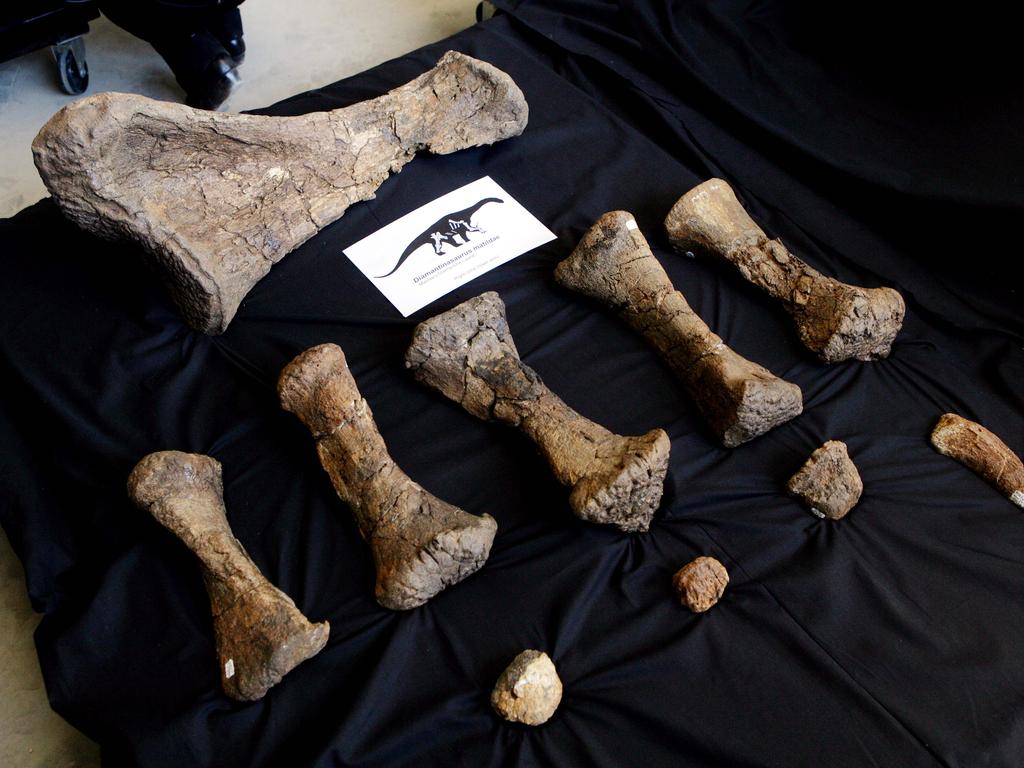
x=292, y=47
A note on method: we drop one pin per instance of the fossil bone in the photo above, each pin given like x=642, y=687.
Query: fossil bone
x=260, y=634
x=836, y=321
x=739, y=399
x=468, y=354
x=420, y=544
x=218, y=199
x=828, y=482
x=982, y=452
x=701, y=583
x=529, y=690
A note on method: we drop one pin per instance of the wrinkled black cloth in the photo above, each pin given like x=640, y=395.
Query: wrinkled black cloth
x=889, y=638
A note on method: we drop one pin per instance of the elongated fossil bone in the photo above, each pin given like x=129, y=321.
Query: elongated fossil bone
x=982, y=452
x=218, y=199
x=468, y=354
x=420, y=544
x=739, y=399
x=836, y=321
x=260, y=634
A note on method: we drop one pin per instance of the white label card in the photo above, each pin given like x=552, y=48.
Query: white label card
x=446, y=243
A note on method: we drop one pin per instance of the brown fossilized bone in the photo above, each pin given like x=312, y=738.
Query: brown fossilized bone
x=981, y=451
x=468, y=354
x=218, y=199
x=260, y=634
x=828, y=483
x=739, y=399
x=836, y=321
x=420, y=544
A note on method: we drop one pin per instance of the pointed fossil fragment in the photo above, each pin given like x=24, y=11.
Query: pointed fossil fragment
x=701, y=583
x=468, y=354
x=982, y=452
x=614, y=264
x=828, y=482
x=218, y=199
x=836, y=321
x=529, y=690
x=260, y=634
x=420, y=543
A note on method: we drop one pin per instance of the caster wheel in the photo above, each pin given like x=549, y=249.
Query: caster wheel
x=71, y=67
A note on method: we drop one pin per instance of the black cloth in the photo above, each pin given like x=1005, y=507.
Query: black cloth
x=889, y=638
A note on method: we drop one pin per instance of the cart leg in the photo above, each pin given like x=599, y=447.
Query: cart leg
x=71, y=67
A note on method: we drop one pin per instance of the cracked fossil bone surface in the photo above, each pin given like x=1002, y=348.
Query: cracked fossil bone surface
x=260, y=634
x=834, y=320
x=468, y=354
x=982, y=452
x=420, y=543
x=218, y=199
x=739, y=399
x=828, y=483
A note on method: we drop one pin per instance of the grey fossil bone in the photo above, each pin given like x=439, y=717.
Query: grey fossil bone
x=260, y=635
x=420, y=543
x=834, y=320
x=739, y=399
x=468, y=355
x=218, y=199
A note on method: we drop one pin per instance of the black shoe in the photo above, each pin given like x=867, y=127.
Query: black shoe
x=226, y=26
x=214, y=86
x=204, y=70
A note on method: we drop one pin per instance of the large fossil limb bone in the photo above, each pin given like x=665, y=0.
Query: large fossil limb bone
x=981, y=451
x=468, y=354
x=614, y=264
x=218, y=199
x=260, y=634
x=420, y=544
x=836, y=321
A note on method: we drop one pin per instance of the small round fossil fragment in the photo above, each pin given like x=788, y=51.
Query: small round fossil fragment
x=529, y=689
x=700, y=583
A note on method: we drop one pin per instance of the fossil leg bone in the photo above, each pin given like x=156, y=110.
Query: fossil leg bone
x=982, y=452
x=260, y=634
x=739, y=399
x=836, y=321
x=420, y=544
x=218, y=199
x=468, y=354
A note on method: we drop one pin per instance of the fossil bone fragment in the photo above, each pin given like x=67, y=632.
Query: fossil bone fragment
x=828, y=482
x=982, y=452
x=529, y=690
x=468, y=354
x=836, y=321
x=420, y=544
x=701, y=583
x=218, y=199
x=614, y=264
x=260, y=634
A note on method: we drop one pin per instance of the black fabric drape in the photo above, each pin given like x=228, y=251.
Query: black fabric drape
x=889, y=638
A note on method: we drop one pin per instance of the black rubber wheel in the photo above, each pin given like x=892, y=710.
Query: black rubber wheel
x=74, y=74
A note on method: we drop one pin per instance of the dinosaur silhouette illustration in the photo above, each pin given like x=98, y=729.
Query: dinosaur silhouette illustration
x=452, y=230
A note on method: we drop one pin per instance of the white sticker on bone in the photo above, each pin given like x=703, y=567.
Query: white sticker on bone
x=631, y=224
x=229, y=669
x=1017, y=497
